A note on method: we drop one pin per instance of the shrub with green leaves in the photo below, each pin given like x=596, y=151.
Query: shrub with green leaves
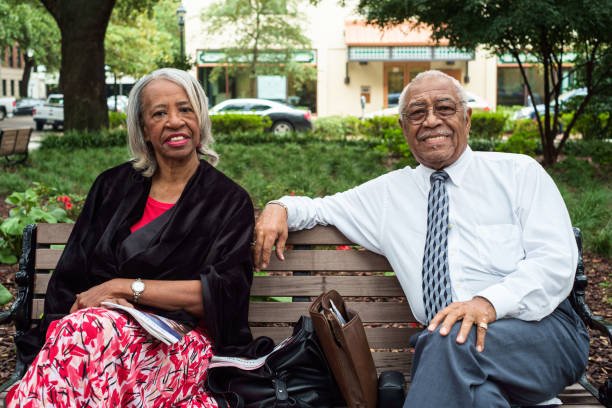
x=337, y=126
x=38, y=203
x=83, y=139
x=484, y=145
x=520, y=142
x=233, y=122
x=378, y=125
x=5, y=295
x=488, y=125
x=116, y=120
x=594, y=126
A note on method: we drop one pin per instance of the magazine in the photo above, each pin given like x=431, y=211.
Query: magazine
x=165, y=330
x=245, y=363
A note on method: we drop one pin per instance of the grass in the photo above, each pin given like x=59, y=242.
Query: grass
x=268, y=171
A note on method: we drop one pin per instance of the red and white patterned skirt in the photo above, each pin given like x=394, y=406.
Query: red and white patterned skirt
x=102, y=358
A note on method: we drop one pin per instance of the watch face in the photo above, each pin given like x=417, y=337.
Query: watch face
x=138, y=286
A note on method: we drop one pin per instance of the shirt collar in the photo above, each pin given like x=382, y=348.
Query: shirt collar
x=456, y=171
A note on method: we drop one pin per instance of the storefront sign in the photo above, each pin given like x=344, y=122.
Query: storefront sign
x=217, y=57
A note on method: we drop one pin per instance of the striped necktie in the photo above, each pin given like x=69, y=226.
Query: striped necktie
x=436, y=280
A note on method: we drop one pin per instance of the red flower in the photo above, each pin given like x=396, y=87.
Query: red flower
x=68, y=205
x=292, y=193
x=66, y=200
x=343, y=248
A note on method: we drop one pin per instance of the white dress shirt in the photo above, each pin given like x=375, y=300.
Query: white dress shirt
x=510, y=237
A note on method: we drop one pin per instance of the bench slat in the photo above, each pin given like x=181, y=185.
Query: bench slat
x=318, y=235
x=378, y=337
x=299, y=285
x=7, y=142
x=315, y=260
x=370, y=312
x=271, y=312
x=47, y=234
x=329, y=260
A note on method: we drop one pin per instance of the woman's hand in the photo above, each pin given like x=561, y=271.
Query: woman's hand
x=109, y=291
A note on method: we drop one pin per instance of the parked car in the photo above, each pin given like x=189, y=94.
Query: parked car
x=51, y=112
x=284, y=117
x=122, y=102
x=25, y=106
x=474, y=102
x=564, y=98
x=7, y=106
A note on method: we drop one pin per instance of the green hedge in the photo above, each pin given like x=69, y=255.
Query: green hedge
x=73, y=139
x=337, y=126
x=488, y=125
x=233, y=122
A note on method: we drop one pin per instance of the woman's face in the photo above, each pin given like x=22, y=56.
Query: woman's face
x=169, y=122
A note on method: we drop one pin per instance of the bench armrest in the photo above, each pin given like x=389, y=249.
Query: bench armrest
x=391, y=389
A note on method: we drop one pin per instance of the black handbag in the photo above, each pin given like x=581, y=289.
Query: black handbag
x=295, y=375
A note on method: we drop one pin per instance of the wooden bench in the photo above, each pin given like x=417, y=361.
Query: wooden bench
x=14, y=144
x=361, y=276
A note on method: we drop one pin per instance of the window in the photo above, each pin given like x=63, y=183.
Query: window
x=12, y=87
x=10, y=57
x=19, y=88
x=233, y=107
x=18, y=56
x=4, y=87
x=260, y=107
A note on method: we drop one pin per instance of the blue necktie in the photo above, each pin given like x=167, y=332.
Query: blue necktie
x=436, y=280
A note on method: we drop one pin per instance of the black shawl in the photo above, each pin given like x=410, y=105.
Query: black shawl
x=205, y=236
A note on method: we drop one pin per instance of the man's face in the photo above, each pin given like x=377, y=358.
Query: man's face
x=439, y=140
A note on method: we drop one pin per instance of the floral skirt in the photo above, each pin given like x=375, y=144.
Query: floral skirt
x=102, y=358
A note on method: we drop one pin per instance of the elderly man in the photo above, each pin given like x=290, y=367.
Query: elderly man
x=483, y=247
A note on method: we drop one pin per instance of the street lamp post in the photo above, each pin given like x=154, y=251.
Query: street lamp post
x=180, y=12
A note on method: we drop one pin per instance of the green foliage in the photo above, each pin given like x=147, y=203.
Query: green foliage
x=488, y=125
x=38, y=203
x=264, y=35
x=522, y=141
x=234, y=122
x=116, y=120
x=73, y=139
x=394, y=143
x=378, y=125
x=594, y=126
x=153, y=29
x=5, y=295
x=484, y=145
x=602, y=244
x=337, y=126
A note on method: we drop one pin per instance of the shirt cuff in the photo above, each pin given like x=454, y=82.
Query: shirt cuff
x=502, y=300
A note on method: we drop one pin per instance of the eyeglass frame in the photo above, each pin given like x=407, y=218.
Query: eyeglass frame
x=433, y=110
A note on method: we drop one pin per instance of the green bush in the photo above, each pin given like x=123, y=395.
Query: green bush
x=520, y=142
x=298, y=138
x=38, y=203
x=336, y=126
x=234, y=122
x=83, y=139
x=484, y=145
x=116, y=120
x=378, y=125
x=575, y=172
x=488, y=125
x=594, y=126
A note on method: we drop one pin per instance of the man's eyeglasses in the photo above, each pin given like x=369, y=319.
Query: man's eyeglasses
x=417, y=113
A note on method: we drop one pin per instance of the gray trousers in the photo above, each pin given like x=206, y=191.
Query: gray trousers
x=523, y=363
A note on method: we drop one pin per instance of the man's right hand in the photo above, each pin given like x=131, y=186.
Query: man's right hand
x=270, y=229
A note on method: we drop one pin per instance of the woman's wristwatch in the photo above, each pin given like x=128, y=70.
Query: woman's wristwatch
x=138, y=287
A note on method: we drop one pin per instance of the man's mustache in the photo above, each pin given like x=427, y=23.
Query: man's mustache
x=434, y=133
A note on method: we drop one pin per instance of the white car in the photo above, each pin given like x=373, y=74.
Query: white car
x=529, y=112
x=474, y=102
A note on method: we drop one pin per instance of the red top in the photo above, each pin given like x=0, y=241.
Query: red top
x=153, y=209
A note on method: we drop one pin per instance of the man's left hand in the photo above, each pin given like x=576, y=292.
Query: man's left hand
x=478, y=311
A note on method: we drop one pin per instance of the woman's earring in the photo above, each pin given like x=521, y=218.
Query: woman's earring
x=199, y=146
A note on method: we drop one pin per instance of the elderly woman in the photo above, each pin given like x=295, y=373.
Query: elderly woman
x=166, y=232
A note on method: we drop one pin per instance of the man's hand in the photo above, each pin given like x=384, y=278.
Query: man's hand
x=111, y=291
x=478, y=311
x=270, y=229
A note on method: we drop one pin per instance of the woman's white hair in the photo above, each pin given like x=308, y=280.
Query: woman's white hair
x=429, y=74
x=144, y=156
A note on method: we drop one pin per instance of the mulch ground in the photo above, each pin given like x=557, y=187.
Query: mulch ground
x=597, y=267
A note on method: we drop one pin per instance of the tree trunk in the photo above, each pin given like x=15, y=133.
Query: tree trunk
x=83, y=26
x=28, y=64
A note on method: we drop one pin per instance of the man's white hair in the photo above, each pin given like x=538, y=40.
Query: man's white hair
x=463, y=97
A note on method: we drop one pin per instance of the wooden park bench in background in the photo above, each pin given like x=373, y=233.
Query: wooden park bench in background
x=14, y=144
x=313, y=265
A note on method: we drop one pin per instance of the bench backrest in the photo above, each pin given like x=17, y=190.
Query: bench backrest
x=313, y=265
x=14, y=141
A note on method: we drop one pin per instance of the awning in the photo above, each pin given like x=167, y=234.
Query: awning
x=398, y=43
